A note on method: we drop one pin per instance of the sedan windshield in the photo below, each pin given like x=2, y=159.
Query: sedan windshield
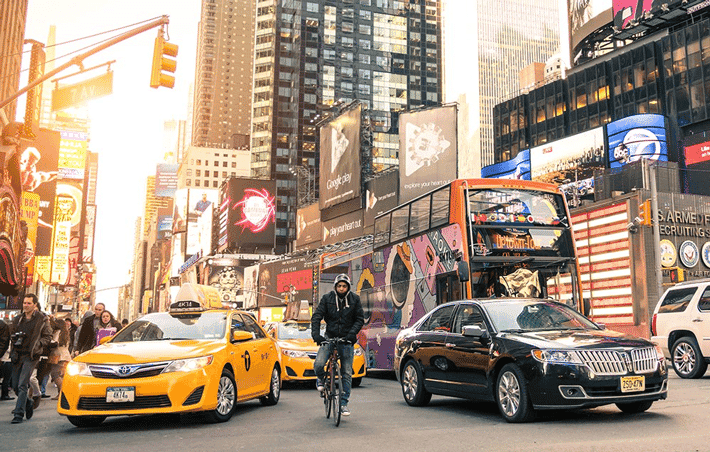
x=528, y=315
x=293, y=330
x=163, y=327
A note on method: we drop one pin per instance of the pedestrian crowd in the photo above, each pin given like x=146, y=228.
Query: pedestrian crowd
x=35, y=349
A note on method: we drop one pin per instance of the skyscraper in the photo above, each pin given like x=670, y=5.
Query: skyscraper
x=13, y=14
x=312, y=56
x=223, y=74
x=487, y=45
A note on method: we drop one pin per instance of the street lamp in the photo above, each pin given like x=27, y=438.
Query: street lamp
x=305, y=183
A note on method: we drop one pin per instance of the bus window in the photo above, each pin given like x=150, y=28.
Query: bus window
x=400, y=223
x=440, y=207
x=419, y=217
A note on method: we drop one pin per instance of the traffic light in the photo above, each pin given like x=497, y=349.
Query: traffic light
x=677, y=275
x=645, y=212
x=161, y=63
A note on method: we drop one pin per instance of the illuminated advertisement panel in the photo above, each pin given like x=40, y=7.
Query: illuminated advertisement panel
x=72, y=155
x=428, y=155
x=247, y=214
x=283, y=280
x=381, y=195
x=637, y=137
x=308, y=225
x=345, y=227
x=517, y=168
x=697, y=163
x=166, y=180
x=38, y=167
x=340, y=167
x=587, y=16
x=89, y=230
x=29, y=211
x=570, y=159
x=697, y=153
x=626, y=11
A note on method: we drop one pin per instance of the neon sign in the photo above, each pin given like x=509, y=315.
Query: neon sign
x=258, y=210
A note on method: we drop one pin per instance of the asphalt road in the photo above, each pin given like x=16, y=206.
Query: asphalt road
x=381, y=420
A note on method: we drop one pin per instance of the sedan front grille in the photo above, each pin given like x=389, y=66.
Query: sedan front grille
x=119, y=371
x=312, y=355
x=613, y=362
x=140, y=402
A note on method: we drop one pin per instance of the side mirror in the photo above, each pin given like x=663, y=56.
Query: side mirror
x=474, y=331
x=272, y=333
x=241, y=336
x=601, y=326
x=105, y=339
x=463, y=271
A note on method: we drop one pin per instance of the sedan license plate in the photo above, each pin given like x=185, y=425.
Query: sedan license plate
x=120, y=395
x=633, y=384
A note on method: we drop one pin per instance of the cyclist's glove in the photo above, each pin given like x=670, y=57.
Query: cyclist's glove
x=319, y=339
x=352, y=338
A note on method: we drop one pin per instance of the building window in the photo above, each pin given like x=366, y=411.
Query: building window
x=224, y=164
x=197, y=182
x=214, y=184
x=198, y=162
x=189, y=172
x=234, y=165
x=216, y=163
x=188, y=182
x=215, y=173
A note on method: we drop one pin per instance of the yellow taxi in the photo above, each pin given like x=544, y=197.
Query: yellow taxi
x=298, y=351
x=198, y=356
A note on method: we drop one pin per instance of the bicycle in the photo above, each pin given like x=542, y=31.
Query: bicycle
x=332, y=389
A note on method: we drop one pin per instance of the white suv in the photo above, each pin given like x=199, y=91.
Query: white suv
x=681, y=326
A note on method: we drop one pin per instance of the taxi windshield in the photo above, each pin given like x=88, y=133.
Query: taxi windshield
x=293, y=330
x=163, y=327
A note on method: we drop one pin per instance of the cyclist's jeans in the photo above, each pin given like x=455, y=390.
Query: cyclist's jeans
x=346, y=366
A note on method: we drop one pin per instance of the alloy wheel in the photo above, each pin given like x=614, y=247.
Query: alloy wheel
x=509, y=394
x=225, y=396
x=684, y=358
x=410, y=382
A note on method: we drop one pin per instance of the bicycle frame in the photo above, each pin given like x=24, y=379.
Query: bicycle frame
x=332, y=393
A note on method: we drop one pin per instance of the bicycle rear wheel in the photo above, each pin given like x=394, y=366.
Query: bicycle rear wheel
x=337, y=395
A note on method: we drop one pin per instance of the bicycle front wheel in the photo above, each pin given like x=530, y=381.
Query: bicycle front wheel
x=327, y=395
x=337, y=395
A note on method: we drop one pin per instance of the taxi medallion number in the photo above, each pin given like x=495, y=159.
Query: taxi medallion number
x=121, y=394
x=633, y=384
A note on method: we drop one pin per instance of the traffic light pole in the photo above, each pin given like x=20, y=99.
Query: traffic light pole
x=79, y=59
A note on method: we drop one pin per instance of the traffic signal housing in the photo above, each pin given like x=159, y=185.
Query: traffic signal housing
x=677, y=275
x=162, y=50
x=645, y=212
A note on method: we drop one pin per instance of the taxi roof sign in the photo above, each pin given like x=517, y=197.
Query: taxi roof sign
x=196, y=298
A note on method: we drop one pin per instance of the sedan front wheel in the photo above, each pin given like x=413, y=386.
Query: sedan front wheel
x=512, y=395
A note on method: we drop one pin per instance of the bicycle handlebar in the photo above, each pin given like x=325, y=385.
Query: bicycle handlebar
x=336, y=340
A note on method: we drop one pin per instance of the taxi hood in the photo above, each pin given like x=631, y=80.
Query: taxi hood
x=149, y=351
x=305, y=345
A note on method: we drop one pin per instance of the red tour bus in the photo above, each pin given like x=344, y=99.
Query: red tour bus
x=515, y=236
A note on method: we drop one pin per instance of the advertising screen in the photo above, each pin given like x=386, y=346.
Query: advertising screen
x=637, y=137
x=586, y=16
x=72, y=155
x=697, y=163
x=381, y=195
x=247, y=214
x=517, y=168
x=340, y=167
x=39, y=167
x=308, y=225
x=626, y=11
x=345, y=227
x=697, y=153
x=428, y=153
x=570, y=159
x=166, y=180
x=289, y=279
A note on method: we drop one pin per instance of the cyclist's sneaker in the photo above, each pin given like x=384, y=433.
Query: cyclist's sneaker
x=344, y=410
x=319, y=386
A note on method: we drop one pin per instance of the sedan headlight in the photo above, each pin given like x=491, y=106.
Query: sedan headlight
x=78, y=368
x=188, y=365
x=556, y=356
x=358, y=351
x=661, y=359
x=294, y=353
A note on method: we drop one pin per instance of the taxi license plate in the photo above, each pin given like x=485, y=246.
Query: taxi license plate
x=633, y=384
x=122, y=394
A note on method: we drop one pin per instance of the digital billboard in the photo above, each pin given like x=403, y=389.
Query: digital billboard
x=428, y=154
x=637, y=137
x=626, y=11
x=587, y=16
x=342, y=228
x=282, y=280
x=381, y=195
x=247, y=214
x=340, y=168
x=308, y=226
x=166, y=179
x=73, y=147
x=38, y=172
x=697, y=153
x=570, y=159
x=516, y=168
x=697, y=163
x=228, y=280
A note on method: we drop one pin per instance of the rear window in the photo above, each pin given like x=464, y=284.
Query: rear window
x=677, y=300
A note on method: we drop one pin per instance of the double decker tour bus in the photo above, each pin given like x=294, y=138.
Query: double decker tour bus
x=515, y=236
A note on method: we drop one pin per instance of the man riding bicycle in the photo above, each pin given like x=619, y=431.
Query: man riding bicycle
x=342, y=311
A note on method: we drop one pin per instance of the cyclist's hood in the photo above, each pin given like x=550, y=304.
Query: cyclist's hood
x=342, y=278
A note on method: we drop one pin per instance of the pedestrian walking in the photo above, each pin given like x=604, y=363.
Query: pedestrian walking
x=5, y=364
x=85, y=337
x=59, y=357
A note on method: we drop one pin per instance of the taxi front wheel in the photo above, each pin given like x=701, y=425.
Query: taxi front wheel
x=226, y=398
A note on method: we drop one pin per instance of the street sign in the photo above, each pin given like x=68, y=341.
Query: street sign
x=71, y=95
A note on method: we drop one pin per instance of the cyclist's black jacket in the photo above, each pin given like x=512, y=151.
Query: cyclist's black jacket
x=339, y=322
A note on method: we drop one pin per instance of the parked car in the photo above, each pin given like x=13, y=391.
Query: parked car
x=681, y=326
x=526, y=355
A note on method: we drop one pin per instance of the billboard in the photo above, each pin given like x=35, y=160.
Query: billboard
x=38, y=169
x=308, y=225
x=89, y=229
x=290, y=279
x=228, y=280
x=189, y=206
x=697, y=153
x=697, y=163
x=517, y=168
x=73, y=147
x=166, y=180
x=427, y=151
x=340, y=167
x=342, y=228
x=381, y=195
x=247, y=214
x=626, y=11
x=587, y=16
x=29, y=212
x=637, y=137
x=570, y=159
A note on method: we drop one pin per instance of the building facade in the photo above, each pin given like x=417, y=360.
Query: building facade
x=12, y=35
x=210, y=167
x=223, y=74
x=312, y=57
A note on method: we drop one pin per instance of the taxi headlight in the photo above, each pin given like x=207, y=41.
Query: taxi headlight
x=78, y=368
x=359, y=351
x=188, y=365
x=556, y=356
x=294, y=353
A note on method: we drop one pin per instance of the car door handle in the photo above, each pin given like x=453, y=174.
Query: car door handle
x=697, y=320
x=450, y=345
x=416, y=342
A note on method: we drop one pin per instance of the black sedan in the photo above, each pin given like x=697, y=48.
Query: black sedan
x=526, y=355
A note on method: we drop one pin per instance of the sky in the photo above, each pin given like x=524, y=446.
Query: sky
x=127, y=126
